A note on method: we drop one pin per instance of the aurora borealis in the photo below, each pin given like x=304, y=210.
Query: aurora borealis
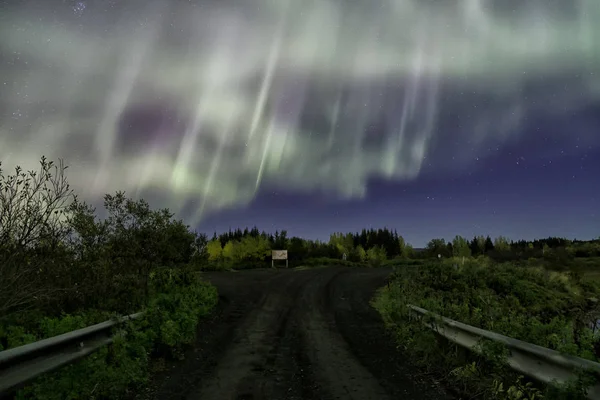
x=202, y=106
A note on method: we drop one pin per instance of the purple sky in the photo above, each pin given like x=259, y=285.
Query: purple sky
x=434, y=118
x=529, y=190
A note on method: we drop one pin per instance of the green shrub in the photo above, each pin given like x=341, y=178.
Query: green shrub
x=549, y=309
x=110, y=373
x=178, y=303
x=174, y=313
x=376, y=256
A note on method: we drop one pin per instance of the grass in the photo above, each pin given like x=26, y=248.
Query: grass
x=176, y=307
x=550, y=309
x=589, y=267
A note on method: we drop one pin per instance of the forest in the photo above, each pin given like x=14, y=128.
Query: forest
x=249, y=248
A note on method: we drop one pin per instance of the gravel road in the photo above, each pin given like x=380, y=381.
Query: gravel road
x=295, y=334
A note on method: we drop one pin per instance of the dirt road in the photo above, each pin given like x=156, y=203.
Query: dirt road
x=295, y=334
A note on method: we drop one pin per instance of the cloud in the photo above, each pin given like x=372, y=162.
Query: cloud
x=199, y=104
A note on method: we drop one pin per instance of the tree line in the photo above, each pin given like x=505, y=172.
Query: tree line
x=378, y=245
x=503, y=249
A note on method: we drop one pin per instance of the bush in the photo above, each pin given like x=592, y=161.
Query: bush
x=170, y=322
x=62, y=269
x=549, y=309
x=175, y=311
x=376, y=256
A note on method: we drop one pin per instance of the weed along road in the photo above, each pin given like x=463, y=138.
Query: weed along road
x=295, y=334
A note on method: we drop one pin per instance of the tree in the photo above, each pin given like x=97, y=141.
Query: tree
x=229, y=251
x=409, y=251
x=545, y=249
x=474, y=247
x=34, y=224
x=214, y=249
x=361, y=253
x=376, y=255
x=501, y=244
x=401, y=245
x=281, y=241
x=489, y=245
x=437, y=246
x=118, y=254
x=460, y=247
x=343, y=242
x=200, y=249
x=254, y=248
x=480, y=245
x=298, y=249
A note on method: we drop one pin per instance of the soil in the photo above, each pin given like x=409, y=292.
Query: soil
x=294, y=334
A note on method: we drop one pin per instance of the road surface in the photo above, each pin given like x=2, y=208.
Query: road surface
x=294, y=334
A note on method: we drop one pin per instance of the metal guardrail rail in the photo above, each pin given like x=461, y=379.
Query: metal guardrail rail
x=21, y=364
x=537, y=362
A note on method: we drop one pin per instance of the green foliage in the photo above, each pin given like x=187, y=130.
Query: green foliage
x=376, y=256
x=14, y=336
x=174, y=312
x=361, y=254
x=401, y=246
x=518, y=391
x=552, y=253
x=437, y=247
x=479, y=244
x=113, y=257
x=550, y=309
x=572, y=390
x=34, y=225
x=408, y=252
x=215, y=250
x=178, y=303
x=249, y=250
x=63, y=269
x=229, y=252
x=501, y=244
x=253, y=248
x=344, y=243
x=460, y=247
x=238, y=250
x=401, y=262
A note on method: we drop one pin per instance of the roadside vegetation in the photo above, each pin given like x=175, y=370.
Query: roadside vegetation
x=62, y=268
x=65, y=266
x=538, y=292
x=250, y=248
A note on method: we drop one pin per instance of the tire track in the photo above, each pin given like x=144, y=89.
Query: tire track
x=339, y=373
x=247, y=369
x=362, y=329
x=297, y=335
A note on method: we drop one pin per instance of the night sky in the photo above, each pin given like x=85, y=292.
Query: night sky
x=434, y=118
